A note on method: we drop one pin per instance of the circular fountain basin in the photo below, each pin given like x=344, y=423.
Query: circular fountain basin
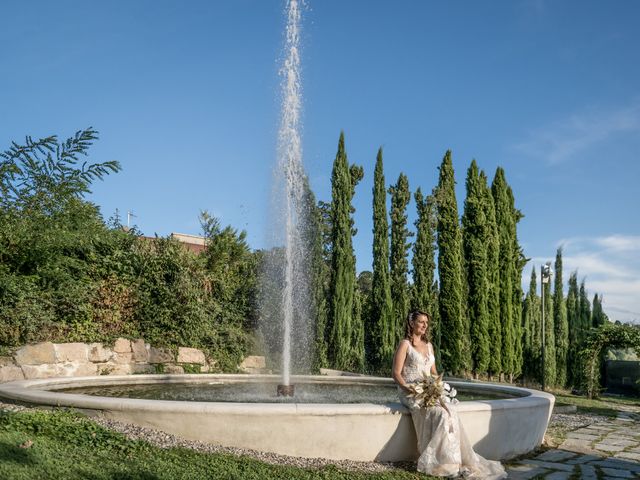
x=378, y=430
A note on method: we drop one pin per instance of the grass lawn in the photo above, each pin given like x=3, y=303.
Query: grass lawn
x=606, y=406
x=62, y=445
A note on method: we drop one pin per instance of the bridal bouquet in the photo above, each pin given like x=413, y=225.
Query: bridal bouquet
x=431, y=391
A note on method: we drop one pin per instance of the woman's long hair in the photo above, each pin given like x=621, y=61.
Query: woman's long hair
x=408, y=328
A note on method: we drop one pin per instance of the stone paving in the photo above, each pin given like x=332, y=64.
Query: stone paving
x=604, y=450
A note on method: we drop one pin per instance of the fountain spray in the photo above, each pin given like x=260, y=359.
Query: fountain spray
x=290, y=165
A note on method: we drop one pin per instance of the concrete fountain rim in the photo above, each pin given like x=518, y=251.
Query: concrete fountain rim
x=43, y=392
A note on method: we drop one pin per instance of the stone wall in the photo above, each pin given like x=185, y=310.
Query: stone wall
x=45, y=360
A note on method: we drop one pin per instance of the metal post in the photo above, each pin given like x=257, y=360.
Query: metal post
x=545, y=277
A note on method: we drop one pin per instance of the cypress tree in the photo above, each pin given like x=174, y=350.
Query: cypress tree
x=423, y=260
x=549, y=333
x=381, y=334
x=318, y=274
x=493, y=280
x=573, y=321
x=585, y=313
x=560, y=323
x=504, y=219
x=532, y=330
x=519, y=263
x=474, y=238
x=343, y=269
x=450, y=271
x=357, y=358
x=598, y=316
x=400, y=197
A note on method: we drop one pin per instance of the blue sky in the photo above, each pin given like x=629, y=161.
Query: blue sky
x=186, y=96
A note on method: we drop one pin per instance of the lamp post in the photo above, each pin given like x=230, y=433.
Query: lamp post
x=545, y=277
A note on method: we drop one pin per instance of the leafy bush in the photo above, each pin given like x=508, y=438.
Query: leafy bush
x=65, y=275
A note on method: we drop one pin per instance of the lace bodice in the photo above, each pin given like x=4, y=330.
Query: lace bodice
x=416, y=364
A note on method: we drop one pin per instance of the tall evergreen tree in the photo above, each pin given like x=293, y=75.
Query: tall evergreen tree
x=532, y=330
x=357, y=357
x=318, y=275
x=450, y=271
x=517, y=295
x=381, y=334
x=474, y=239
x=343, y=270
x=598, y=316
x=423, y=260
x=573, y=321
x=504, y=219
x=560, y=323
x=493, y=280
x=585, y=312
x=400, y=197
x=549, y=333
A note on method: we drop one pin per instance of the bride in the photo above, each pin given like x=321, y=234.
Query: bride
x=443, y=445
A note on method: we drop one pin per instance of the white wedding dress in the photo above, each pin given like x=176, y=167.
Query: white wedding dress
x=444, y=448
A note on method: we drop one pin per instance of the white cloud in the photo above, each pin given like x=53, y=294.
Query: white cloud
x=620, y=243
x=563, y=139
x=610, y=266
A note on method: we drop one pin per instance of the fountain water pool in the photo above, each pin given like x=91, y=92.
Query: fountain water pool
x=497, y=429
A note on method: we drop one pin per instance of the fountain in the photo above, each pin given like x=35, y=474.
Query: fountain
x=290, y=155
x=359, y=419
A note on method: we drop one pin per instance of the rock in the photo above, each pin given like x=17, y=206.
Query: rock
x=7, y=362
x=76, y=369
x=253, y=361
x=99, y=353
x=204, y=369
x=160, y=355
x=142, y=368
x=140, y=352
x=122, y=345
x=69, y=352
x=123, y=358
x=113, y=369
x=173, y=369
x=36, y=354
x=190, y=355
x=9, y=373
x=46, y=370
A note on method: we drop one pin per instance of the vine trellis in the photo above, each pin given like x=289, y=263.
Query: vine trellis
x=607, y=336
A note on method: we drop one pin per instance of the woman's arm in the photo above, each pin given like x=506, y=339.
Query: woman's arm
x=434, y=371
x=398, y=363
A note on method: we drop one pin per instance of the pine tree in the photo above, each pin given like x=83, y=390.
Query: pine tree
x=560, y=323
x=573, y=321
x=474, y=238
x=423, y=260
x=493, y=279
x=504, y=219
x=450, y=271
x=400, y=197
x=343, y=270
x=381, y=331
